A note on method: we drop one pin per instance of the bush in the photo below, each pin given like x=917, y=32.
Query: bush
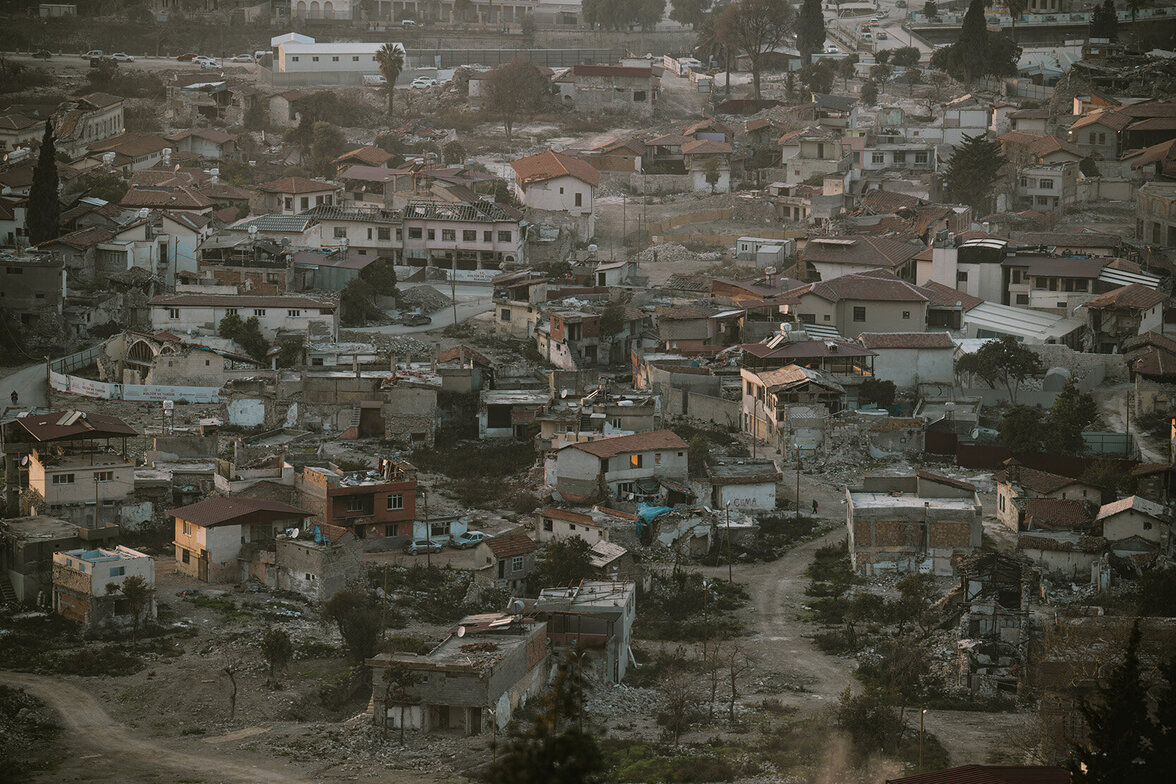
x=677, y=609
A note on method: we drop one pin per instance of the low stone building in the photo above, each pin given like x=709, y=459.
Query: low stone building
x=744, y=485
x=911, y=523
x=87, y=583
x=488, y=667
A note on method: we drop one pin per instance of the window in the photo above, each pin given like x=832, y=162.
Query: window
x=487, y=236
x=1022, y=299
x=1147, y=526
x=314, y=59
x=548, y=525
x=15, y=271
x=438, y=530
x=657, y=458
x=579, y=200
x=634, y=461
x=504, y=236
x=504, y=314
x=1102, y=138
x=187, y=528
x=305, y=201
x=391, y=530
x=432, y=234
x=63, y=479
x=293, y=313
x=920, y=157
x=173, y=313
x=335, y=59
x=383, y=234
x=750, y=390
x=355, y=59
x=624, y=489
x=807, y=318
x=516, y=563
x=878, y=157
x=1045, y=185
x=230, y=311
x=340, y=232
x=415, y=234
x=571, y=526
x=448, y=235
x=639, y=96
x=289, y=202
x=118, y=571
x=899, y=156
x=961, y=277
x=103, y=476
x=185, y=556
x=906, y=314
x=859, y=314
x=1015, y=277
x=354, y=503
x=271, y=277
x=395, y=501
x=469, y=235
x=259, y=311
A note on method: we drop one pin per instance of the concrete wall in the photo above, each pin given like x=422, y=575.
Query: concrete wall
x=908, y=368
x=720, y=411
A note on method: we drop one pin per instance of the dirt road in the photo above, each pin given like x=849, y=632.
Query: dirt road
x=100, y=750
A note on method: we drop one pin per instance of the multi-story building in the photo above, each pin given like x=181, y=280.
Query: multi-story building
x=466, y=240
x=560, y=183
x=372, y=504
x=86, y=583
x=810, y=152
x=294, y=195
x=86, y=120
x=328, y=9
x=613, y=466
x=1047, y=187
x=773, y=402
x=203, y=313
x=32, y=284
x=216, y=539
x=364, y=231
x=1155, y=214
x=16, y=130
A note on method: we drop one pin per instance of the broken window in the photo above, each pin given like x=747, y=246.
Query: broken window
x=548, y=525
x=354, y=503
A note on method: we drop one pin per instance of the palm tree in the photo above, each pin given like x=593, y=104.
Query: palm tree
x=390, y=58
x=1015, y=9
x=1133, y=6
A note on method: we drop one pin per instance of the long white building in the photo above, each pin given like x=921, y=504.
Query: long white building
x=300, y=62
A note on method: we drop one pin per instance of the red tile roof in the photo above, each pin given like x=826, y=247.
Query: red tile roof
x=946, y=297
x=549, y=165
x=571, y=517
x=640, y=442
x=876, y=340
x=874, y=286
x=50, y=427
x=177, y=198
x=511, y=543
x=1058, y=513
x=371, y=156
x=208, y=134
x=990, y=774
x=297, y=185
x=886, y=202
x=1135, y=296
x=1033, y=480
x=133, y=145
x=81, y=239
x=212, y=512
x=872, y=251
x=706, y=147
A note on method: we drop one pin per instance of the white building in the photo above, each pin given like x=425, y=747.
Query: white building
x=560, y=183
x=912, y=358
x=744, y=485
x=347, y=62
x=555, y=525
x=327, y=9
x=83, y=579
x=612, y=466
x=202, y=313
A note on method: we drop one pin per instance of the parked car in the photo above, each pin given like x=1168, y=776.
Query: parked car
x=90, y=55
x=832, y=50
x=882, y=36
x=206, y=62
x=900, y=3
x=867, y=37
x=468, y=539
x=423, y=82
x=241, y=58
x=418, y=546
x=416, y=320
x=187, y=58
x=409, y=23
x=42, y=54
x=122, y=57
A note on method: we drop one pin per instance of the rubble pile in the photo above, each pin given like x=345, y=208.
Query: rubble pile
x=620, y=700
x=424, y=298
x=673, y=252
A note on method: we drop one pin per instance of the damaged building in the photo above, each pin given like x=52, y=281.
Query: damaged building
x=995, y=592
x=911, y=523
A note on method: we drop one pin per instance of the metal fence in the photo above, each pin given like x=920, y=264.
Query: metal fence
x=82, y=359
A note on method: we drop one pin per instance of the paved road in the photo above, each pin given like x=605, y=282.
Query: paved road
x=29, y=384
x=472, y=300
x=115, y=747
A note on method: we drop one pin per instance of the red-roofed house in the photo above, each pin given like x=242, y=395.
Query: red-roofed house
x=611, y=467
x=1123, y=313
x=216, y=537
x=208, y=143
x=560, y=183
x=709, y=164
x=292, y=195
x=912, y=358
x=875, y=301
x=831, y=257
x=558, y=524
x=508, y=559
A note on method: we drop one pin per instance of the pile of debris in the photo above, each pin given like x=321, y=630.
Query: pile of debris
x=426, y=299
x=673, y=252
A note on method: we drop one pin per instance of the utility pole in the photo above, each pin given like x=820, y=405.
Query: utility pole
x=798, y=480
x=453, y=289
x=428, y=531
x=730, y=577
x=922, y=714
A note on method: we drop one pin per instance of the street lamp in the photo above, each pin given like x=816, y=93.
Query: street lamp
x=922, y=714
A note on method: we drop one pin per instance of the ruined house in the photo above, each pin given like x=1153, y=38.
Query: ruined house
x=911, y=523
x=995, y=592
x=488, y=667
x=87, y=583
x=373, y=504
x=595, y=616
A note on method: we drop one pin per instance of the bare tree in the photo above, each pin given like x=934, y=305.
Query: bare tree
x=756, y=28
x=680, y=700
x=397, y=680
x=137, y=593
x=739, y=662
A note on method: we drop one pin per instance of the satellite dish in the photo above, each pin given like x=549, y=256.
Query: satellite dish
x=563, y=393
x=516, y=606
x=293, y=533
x=461, y=631
x=975, y=434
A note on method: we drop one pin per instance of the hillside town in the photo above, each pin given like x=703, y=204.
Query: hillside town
x=588, y=391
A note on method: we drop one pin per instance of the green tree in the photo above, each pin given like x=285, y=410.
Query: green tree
x=690, y=12
x=1088, y=166
x=649, y=13
x=973, y=171
x=301, y=136
x=358, y=623
x=555, y=747
x=711, y=172
x=1133, y=6
x=1104, y=21
x=810, y=30
x=327, y=145
x=136, y=593
x=869, y=720
x=905, y=56
x=515, y=91
x=846, y=69
x=398, y=679
x=612, y=320
x=912, y=77
x=1015, y=9
x=869, y=94
x=971, y=48
x=454, y=152
x=1118, y=725
x=697, y=456
x=44, y=210
x=565, y=562
x=251, y=340
x=818, y=77
x=1161, y=759
x=277, y=650
x=290, y=351
x=883, y=57
x=756, y=28
x=107, y=186
x=1072, y=412
x=930, y=9
x=381, y=276
x=880, y=73
x=230, y=326
x=527, y=28
x=390, y=59
x=916, y=594
x=356, y=304
x=1021, y=429
x=874, y=391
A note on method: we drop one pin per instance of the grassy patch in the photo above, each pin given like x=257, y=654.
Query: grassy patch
x=777, y=534
x=678, y=608
x=483, y=469
x=226, y=607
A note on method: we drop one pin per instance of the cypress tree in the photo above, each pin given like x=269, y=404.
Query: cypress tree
x=1119, y=726
x=44, y=209
x=972, y=172
x=972, y=46
x=810, y=30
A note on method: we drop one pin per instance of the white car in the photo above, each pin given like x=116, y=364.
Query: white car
x=241, y=58
x=832, y=50
x=423, y=82
x=206, y=62
x=122, y=57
